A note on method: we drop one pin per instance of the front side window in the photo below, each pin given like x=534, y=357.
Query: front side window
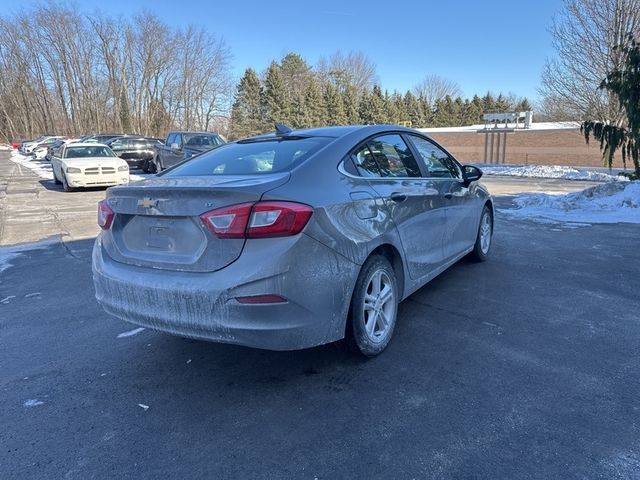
x=251, y=157
x=438, y=162
x=393, y=156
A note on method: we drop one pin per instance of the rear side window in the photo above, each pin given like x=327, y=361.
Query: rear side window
x=251, y=157
x=438, y=162
x=384, y=156
x=365, y=163
x=393, y=156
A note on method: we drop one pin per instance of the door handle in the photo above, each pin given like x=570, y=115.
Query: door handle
x=398, y=197
x=448, y=196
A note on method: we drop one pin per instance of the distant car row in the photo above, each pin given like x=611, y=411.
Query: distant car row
x=147, y=153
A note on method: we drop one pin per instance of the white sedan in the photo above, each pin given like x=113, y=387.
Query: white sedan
x=78, y=165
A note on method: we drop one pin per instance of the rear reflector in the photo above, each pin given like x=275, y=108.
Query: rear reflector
x=262, y=299
x=259, y=220
x=105, y=215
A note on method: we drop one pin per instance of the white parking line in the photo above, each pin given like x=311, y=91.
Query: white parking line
x=130, y=333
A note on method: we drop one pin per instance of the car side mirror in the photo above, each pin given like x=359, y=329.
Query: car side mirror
x=470, y=174
x=175, y=146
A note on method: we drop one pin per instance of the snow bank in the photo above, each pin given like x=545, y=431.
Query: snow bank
x=534, y=126
x=42, y=168
x=612, y=202
x=549, y=171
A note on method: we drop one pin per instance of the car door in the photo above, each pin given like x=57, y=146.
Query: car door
x=55, y=162
x=174, y=155
x=460, y=205
x=414, y=202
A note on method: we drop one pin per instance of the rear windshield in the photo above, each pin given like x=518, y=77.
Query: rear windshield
x=250, y=158
x=80, y=152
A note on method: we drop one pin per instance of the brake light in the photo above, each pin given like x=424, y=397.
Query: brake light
x=228, y=222
x=105, y=215
x=258, y=220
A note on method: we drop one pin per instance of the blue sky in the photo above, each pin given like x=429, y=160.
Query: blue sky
x=497, y=45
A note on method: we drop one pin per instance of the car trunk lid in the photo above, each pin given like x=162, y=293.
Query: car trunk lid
x=157, y=222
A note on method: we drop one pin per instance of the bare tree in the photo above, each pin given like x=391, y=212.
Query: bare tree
x=435, y=87
x=584, y=34
x=76, y=74
x=353, y=71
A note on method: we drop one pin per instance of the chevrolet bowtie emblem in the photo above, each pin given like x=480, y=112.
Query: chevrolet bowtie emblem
x=147, y=203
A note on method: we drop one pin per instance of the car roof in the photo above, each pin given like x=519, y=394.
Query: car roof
x=87, y=144
x=342, y=131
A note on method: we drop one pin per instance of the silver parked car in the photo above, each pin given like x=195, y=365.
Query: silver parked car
x=290, y=240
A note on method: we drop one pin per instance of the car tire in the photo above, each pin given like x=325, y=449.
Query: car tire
x=154, y=165
x=65, y=184
x=484, y=238
x=372, y=318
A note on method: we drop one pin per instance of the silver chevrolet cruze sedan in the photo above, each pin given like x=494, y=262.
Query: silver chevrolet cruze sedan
x=290, y=240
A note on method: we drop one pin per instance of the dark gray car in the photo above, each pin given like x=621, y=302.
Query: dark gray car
x=290, y=240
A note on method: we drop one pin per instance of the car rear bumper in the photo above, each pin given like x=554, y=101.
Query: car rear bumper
x=316, y=281
x=136, y=162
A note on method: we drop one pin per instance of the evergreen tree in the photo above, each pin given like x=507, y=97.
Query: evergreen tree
x=475, y=111
x=488, y=103
x=247, y=114
x=296, y=77
x=376, y=106
x=427, y=111
x=397, y=108
x=392, y=108
x=364, y=111
x=278, y=108
x=350, y=102
x=315, y=110
x=523, y=106
x=413, y=111
x=502, y=104
x=334, y=106
x=445, y=114
x=125, y=115
x=624, y=83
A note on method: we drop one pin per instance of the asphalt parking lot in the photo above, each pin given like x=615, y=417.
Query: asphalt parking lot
x=525, y=366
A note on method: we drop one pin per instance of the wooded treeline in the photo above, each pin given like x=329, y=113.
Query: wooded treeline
x=300, y=96
x=64, y=72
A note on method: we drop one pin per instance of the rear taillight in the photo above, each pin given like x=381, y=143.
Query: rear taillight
x=259, y=220
x=105, y=215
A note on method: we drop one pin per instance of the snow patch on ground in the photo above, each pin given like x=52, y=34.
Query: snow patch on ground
x=550, y=171
x=7, y=254
x=42, y=167
x=612, y=202
x=534, y=126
